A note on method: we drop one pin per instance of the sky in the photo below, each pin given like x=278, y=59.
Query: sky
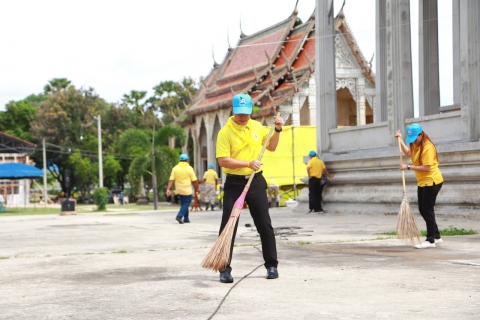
x=123, y=45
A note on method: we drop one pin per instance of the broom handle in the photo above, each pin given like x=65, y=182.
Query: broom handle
x=401, y=162
x=270, y=133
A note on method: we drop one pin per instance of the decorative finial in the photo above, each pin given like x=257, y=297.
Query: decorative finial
x=295, y=11
x=228, y=40
x=341, y=14
x=242, y=35
x=371, y=60
x=215, y=64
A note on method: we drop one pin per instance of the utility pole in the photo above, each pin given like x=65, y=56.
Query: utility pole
x=154, y=172
x=44, y=174
x=100, y=160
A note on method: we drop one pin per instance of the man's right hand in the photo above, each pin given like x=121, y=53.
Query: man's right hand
x=168, y=193
x=255, y=164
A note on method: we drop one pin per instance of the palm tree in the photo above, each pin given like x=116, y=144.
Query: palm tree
x=151, y=153
x=134, y=100
x=57, y=84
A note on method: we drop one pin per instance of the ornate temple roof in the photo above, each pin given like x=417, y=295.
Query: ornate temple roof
x=271, y=65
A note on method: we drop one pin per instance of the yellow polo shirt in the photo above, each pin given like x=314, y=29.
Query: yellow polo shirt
x=241, y=143
x=428, y=159
x=183, y=175
x=210, y=176
x=316, y=167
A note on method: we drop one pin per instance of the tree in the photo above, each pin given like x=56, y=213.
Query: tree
x=111, y=170
x=172, y=98
x=134, y=100
x=85, y=173
x=138, y=144
x=16, y=119
x=61, y=119
x=57, y=84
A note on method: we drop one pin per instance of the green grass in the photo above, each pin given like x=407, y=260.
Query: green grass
x=244, y=245
x=3, y=258
x=392, y=233
x=303, y=243
x=120, y=251
x=450, y=231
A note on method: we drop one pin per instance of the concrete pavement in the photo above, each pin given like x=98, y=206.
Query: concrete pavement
x=147, y=266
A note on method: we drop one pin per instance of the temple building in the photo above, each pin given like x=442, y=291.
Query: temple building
x=328, y=83
x=276, y=67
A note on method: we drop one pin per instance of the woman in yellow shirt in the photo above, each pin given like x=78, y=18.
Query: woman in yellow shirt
x=424, y=158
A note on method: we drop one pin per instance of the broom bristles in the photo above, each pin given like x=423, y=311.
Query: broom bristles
x=219, y=256
x=407, y=228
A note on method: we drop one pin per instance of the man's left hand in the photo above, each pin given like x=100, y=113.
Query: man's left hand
x=278, y=122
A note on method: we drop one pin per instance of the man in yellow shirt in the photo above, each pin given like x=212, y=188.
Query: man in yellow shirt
x=315, y=169
x=183, y=176
x=210, y=178
x=239, y=144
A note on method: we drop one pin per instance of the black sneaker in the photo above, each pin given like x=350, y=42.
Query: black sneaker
x=272, y=273
x=179, y=220
x=226, y=277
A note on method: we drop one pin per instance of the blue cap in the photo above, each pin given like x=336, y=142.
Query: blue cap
x=242, y=104
x=312, y=154
x=413, y=131
x=210, y=166
x=183, y=157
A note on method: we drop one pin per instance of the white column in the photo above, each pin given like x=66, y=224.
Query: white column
x=399, y=85
x=296, y=110
x=380, y=110
x=361, y=116
x=429, y=82
x=210, y=147
x=470, y=68
x=456, y=52
x=312, y=99
x=326, y=117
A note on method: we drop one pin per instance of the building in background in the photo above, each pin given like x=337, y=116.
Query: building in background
x=13, y=149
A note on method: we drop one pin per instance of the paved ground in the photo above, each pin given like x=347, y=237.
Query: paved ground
x=147, y=266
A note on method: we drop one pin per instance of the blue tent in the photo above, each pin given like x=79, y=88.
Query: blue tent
x=14, y=170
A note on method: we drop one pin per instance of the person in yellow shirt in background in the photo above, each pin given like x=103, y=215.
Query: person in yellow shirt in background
x=219, y=194
x=183, y=176
x=273, y=192
x=239, y=144
x=424, y=157
x=315, y=170
x=210, y=178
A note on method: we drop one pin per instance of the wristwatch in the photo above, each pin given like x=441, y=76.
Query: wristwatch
x=408, y=167
x=278, y=130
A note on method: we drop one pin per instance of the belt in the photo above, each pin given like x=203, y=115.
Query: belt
x=242, y=177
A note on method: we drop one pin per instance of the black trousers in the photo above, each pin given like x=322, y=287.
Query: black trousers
x=257, y=201
x=315, y=194
x=427, y=196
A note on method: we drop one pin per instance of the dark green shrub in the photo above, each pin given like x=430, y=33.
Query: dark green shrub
x=101, y=198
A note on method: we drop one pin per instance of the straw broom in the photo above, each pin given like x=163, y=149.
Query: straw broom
x=219, y=256
x=407, y=228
